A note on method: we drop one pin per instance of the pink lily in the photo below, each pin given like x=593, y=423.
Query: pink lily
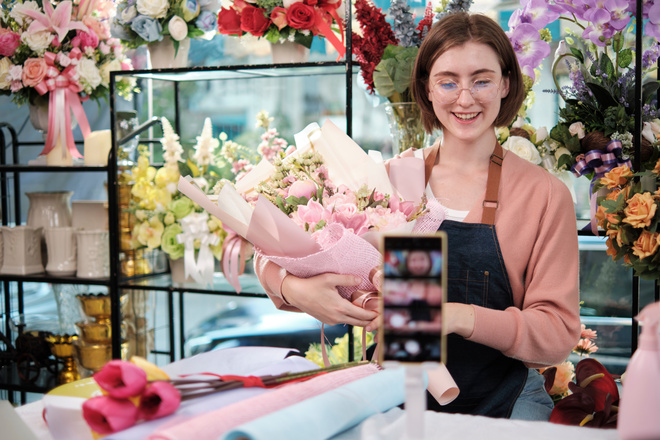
x=57, y=20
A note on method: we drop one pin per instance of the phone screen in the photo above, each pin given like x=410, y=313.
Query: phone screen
x=413, y=294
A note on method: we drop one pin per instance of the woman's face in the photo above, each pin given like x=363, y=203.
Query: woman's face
x=463, y=67
x=419, y=263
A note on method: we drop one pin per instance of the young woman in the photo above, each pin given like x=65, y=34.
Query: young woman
x=512, y=235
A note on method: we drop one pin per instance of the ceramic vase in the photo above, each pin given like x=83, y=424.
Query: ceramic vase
x=61, y=246
x=49, y=209
x=93, y=254
x=406, y=126
x=289, y=52
x=178, y=271
x=162, y=54
x=89, y=214
x=23, y=243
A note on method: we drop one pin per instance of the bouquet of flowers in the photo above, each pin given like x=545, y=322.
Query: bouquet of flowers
x=594, y=129
x=59, y=54
x=280, y=21
x=629, y=216
x=141, y=22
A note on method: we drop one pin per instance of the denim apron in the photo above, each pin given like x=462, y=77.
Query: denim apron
x=489, y=382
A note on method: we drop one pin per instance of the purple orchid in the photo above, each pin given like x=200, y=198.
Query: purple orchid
x=529, y=47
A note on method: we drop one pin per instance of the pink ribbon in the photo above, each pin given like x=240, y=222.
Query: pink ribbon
x=321, y=14
x=235, y=251
x=64, y=97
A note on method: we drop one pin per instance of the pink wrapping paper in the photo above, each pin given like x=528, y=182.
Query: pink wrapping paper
x=211, y=425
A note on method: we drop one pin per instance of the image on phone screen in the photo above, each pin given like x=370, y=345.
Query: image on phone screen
x=413, y=293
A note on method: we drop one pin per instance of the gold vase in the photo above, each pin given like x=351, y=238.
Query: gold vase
x=62, y=348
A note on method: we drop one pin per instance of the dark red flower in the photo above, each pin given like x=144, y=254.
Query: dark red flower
x=254, y=20
x=229, y=22
x=301, y=16
x=159, y=399
x=105, y=414
x=121, y=379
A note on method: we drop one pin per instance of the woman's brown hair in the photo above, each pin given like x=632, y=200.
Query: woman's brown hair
x=455, y=30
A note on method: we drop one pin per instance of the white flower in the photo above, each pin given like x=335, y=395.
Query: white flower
x=518, y=123
x=178, y=28
x=90, y=78
x=5, y=80
x=38, y=41
x=206, y=144
x=577, y=129
x=153, y=8
x=561, y=151
x=172, y=149
x=129, y=14
x=108, y=67
x=523, y=148
x=18, y=12
x=541, y=134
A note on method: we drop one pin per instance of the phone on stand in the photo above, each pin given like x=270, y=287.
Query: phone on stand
x=413, y=294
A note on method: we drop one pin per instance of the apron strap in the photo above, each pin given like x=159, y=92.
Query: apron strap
x=490, y=202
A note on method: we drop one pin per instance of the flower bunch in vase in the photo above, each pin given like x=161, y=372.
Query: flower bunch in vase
x=285, y=20
x=628, y=214
x=140, y=22
x=597, y=52
x=55, y=55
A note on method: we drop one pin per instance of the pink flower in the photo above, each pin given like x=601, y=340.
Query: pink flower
x=121, y=379
x=585, y=347
x=85, y=40
x=587, y=333
x=278, y=17
x=159, y=399
x=9, y=41
x=105, y=414
x=34, y=71
x=311, y=214
x=303, y=188
x=100, y=28
x=348, y=215
x=406, y=207
x=342, y=197
x=383, y=219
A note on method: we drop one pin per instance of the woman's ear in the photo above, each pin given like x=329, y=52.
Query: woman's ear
x=505, y=87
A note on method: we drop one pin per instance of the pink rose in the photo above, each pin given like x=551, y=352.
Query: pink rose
x=278, y=16
x=343, y=196
x=406, y=208
x=159, y=399
x=34, y=71
x=303, y=188
x=9, y=41
x=310, y=214
x=348, y=215
x=100, y=28
x=105, y=414
x=121, y=379
x=85, y=40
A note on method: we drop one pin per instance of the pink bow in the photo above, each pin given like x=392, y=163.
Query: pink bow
x=325, y=12
x=64, y=97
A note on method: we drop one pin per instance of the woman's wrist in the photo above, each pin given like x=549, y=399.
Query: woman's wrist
x=459, y=319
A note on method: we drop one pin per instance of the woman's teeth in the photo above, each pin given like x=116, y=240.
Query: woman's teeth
x=466, y=116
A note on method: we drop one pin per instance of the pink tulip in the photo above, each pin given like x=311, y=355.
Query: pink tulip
x=121, y=379
x=303, y=188
x=105, y=414
x=159, y=399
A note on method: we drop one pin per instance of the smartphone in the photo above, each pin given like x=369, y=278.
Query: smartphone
x=413, y=294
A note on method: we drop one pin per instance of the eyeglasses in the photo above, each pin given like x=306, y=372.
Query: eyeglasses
x=482, y=90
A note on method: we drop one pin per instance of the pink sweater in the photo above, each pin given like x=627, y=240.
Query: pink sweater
x=537, y=232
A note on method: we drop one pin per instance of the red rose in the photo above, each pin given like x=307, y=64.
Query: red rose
x=229, y=22
x=300, y=16
x=254, y=20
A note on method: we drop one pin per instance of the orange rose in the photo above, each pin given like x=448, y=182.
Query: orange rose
x=616, y=177
x=34, y=71
x=646, y=244
x=656, y=170
x=610, y=248
x=640, y=210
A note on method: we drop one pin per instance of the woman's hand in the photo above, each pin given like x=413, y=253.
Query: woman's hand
x=318, y=296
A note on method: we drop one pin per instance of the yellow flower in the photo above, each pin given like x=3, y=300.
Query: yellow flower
x=167, y=175
x=161, y=197
x=150, y=232
x=153, y=372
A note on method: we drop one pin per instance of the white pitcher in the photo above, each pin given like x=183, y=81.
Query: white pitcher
x=61, y=247
x=93, y=254
x=22, y=249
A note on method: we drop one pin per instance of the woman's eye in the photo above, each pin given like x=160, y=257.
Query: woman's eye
x=482, y=83
x=448, y=86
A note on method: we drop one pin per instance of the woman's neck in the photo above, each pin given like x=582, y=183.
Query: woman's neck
x=467, y=154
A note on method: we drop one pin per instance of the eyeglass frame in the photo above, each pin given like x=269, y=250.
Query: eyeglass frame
x=460, y=91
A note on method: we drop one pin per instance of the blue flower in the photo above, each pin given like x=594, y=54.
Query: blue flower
x=206, y=21
x=147, y=28
x=118, y=30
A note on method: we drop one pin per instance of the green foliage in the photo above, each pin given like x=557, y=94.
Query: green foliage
x=393, y=74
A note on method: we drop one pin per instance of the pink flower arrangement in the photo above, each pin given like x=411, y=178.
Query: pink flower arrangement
x=59, y=44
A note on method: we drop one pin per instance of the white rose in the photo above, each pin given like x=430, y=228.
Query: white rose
x=523, y=148
x=518, y=123
x=561, y=151
x=577, y=129
x=90, y=78
x=106, y=69
x=541, y=134
x=153, y=8
x=178, y=28
x=128, y=14
x=38, y=41
x=5, y=81
x=18, y=12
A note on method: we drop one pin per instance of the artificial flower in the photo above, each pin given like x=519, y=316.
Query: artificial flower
x=159, y=399
x=105, y=414
x=121, y=379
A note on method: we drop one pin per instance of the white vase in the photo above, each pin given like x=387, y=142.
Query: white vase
x=89, y=214
x=49, y=209
x=289, y=52
x=161, y=54
x=93, y=254
x=61, y=246
x=23, y=243
x=59, y=155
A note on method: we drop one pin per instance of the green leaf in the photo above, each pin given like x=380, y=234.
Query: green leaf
x=649, y=91
x=625, y=58
x=606, y=66
x=577, y=54
x=603, y=96
x=295, y=201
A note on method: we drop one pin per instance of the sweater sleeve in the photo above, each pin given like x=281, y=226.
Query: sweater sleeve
x=544, y=325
